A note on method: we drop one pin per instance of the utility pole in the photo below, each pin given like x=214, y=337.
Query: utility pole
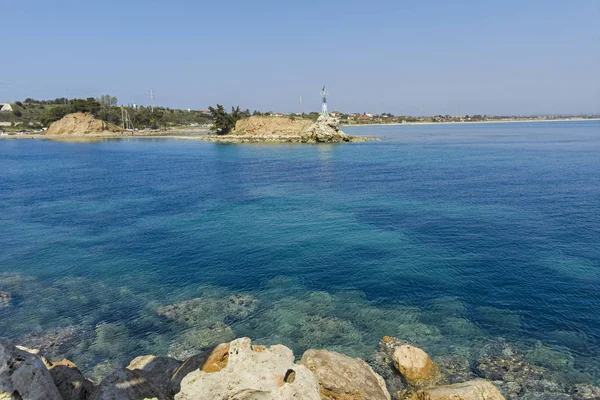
x=152, y=99
x=122, y=118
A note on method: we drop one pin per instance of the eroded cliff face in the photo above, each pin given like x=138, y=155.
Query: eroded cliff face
x=80, y=124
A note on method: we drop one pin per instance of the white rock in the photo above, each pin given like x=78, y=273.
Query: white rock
x=257, y=374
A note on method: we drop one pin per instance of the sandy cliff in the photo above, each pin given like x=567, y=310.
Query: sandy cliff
x=81, y=124
x=280, y=129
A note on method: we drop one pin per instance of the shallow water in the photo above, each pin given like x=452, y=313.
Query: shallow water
x=449, y=236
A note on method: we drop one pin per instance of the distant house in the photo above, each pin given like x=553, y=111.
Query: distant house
x=365, y=117
x=5, y=107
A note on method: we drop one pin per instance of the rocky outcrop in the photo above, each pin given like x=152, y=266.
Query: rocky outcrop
x=5, y=298
x=478, y=389
x=260, y=373
x=344, y=378
x=240, y=370
x=81, y=124
x=325, y=130
x=125, y=384
x=415, y=365
x=69, y=381
x=23, y=375
x=286, y=130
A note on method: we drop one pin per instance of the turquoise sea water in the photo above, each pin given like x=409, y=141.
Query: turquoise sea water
x=449, y=236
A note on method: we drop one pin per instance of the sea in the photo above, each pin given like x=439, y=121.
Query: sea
x=452, y=237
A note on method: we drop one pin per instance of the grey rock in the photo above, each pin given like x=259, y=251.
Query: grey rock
x=126, y=384
x=23, y=375
x=159, y=370
x=69, y=381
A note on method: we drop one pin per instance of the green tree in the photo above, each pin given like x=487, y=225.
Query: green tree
x=89, y=105
x=223, y=122
x=54, y=114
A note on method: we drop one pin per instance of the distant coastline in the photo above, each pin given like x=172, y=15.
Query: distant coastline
x=204, y=134
x=470, y=122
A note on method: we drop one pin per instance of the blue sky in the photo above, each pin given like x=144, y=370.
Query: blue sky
x=404, y=57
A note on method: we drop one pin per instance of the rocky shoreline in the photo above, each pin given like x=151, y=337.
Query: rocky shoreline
x=241, y=370
x=206, y=338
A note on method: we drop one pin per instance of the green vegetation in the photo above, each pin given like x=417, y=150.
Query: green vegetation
x=223, y=122
x=35, y=114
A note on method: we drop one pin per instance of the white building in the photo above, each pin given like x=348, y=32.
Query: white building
x=5, y=107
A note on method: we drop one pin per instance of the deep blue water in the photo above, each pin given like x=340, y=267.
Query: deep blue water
x=447, y=235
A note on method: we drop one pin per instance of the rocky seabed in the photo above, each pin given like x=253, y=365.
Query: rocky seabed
x=240, y=370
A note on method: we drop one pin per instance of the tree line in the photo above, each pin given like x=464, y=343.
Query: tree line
x=38, y=113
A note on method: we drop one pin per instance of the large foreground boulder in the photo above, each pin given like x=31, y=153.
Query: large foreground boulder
x=477, y=389
x=343, y=377
x=23, y=375
x=251, y=373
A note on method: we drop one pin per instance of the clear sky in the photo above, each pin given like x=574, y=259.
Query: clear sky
x=403, y=57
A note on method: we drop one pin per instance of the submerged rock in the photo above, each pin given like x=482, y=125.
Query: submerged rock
x=196, y=340
x=23, y=375
x=502, y=362
x=5, y=299
x=478, y=389
x=343, y=377
x=585, y=392
x=383, y=364
x=516, y=377
x=204, y=311
x=57, y=343
x=260, y=373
